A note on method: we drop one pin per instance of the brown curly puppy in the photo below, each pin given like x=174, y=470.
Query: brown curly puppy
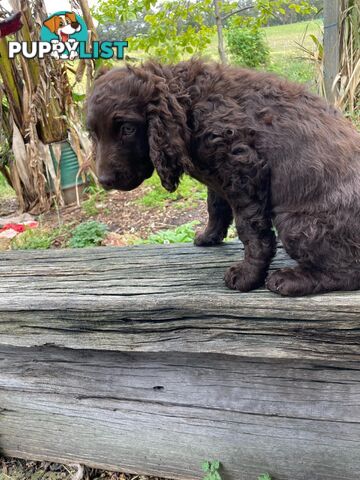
x=269, y=152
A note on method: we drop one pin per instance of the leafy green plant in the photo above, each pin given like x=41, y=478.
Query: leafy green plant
x=34, y=239
x=264, y=476
x=174, y=28
x=248, y=46
x=189, y=190
x=182, y=234
x=211, y=468
x=88, y=234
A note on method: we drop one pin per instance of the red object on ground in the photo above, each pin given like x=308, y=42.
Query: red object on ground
x=13, y=226
x=19, y=227
x=10, y=25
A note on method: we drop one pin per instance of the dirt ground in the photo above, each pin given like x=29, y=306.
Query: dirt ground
x=8, y=206
x=124, y=216
x=15, y=469
x=122, y=213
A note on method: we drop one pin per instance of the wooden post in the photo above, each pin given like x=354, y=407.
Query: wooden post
x=331, y=46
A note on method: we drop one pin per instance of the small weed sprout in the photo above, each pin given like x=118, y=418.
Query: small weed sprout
x=96, y=196
x=211, y=468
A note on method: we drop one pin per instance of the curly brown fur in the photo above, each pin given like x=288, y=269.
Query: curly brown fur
x=269, y=151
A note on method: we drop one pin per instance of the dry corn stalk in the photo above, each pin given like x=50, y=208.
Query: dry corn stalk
x=347, y=82
x=349, y=75
x=40, y=100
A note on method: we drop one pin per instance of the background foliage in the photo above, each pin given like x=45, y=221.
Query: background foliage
x=248, y=47
x=175, y=29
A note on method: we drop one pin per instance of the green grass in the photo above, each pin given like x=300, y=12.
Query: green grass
x=5, y=190
x=287, y=58
x=284, y=39
x=295, y=70
x=190, y=192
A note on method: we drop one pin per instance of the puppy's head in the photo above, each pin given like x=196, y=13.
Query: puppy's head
x=136, y=125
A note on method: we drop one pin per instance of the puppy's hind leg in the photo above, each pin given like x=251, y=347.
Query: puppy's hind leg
x=300, y=281
x=220, y=218
x=327, y=252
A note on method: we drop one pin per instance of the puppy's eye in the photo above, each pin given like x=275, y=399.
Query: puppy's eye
x=128, y=129
x=123, y=128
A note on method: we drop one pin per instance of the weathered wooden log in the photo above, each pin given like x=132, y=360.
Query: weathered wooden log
x=139, y=359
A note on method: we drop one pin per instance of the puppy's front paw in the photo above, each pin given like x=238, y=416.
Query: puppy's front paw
x=205, y=239
x=243, y=277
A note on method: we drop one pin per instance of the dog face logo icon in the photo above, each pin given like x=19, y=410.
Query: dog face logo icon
x=63, y=25
x=64, y=28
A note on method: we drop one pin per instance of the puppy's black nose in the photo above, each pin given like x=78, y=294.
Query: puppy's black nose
x=75, y=24
x=106, y=181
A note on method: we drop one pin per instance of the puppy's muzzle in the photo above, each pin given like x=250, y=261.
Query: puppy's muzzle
x=107, y=182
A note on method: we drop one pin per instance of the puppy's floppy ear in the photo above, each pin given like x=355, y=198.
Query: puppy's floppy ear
x=52, y=23
x=168, y=134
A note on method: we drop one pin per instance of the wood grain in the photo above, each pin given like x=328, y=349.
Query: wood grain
x=331, y=55
x=139, y=359
x=165, y=299
x=166, y=413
